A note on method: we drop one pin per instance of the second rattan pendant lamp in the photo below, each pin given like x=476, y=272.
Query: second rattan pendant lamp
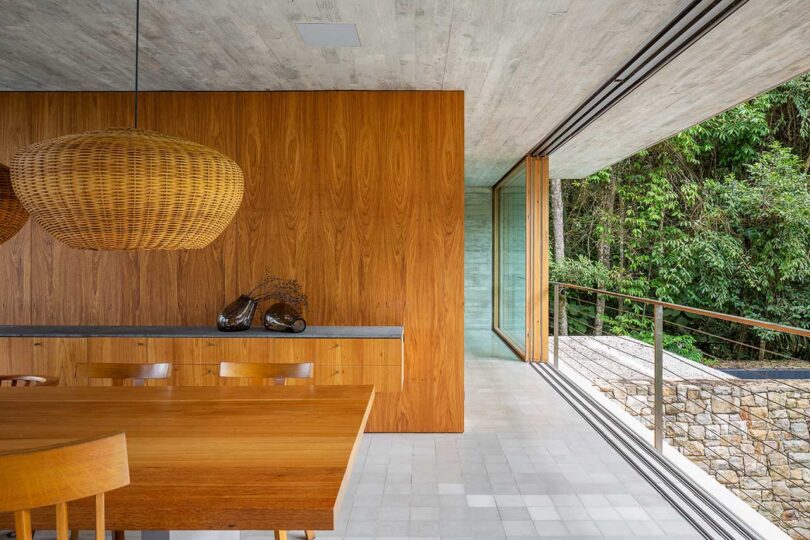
x=12, y=214
x=128, y=188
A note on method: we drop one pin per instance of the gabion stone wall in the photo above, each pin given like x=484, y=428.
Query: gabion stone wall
x=752, y=436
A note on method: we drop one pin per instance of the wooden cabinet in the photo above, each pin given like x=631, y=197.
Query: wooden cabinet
x=195, y=360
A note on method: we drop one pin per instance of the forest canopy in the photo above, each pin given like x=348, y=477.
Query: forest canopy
x=716, y=217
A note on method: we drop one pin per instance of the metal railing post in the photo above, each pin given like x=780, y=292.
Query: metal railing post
x=556, y=325
x=658, y=398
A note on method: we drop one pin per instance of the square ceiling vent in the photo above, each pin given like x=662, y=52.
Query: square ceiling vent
x=329, y=34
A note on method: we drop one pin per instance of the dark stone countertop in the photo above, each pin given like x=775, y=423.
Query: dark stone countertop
x=312, y=332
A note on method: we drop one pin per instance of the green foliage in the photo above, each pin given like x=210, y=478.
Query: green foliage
x=582, y=271
x=716, y=217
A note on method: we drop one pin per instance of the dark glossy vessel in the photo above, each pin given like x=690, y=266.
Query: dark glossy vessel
x=238, y=315
x=283, y=317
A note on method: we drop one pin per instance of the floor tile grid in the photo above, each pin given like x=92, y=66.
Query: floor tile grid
x=527, y=467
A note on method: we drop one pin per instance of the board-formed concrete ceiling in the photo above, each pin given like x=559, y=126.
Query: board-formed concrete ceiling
x=523, y=64
x=763, y=44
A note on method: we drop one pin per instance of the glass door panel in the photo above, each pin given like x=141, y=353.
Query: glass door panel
x=511, y=253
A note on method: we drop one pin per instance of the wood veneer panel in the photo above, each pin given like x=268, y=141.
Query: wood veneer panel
x=358, y=195
x=537, y=214
x=543, y=241
x=55, y=356
x=15, y=270
x=70, y=286
x=189, y=287
x=362, y=201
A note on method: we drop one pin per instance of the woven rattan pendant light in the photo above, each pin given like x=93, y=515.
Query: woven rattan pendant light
x=12, y=214
x=128, y=189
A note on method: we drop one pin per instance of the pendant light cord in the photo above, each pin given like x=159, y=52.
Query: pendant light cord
x=137, y=47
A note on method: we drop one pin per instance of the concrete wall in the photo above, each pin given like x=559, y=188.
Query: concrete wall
x=477, y=258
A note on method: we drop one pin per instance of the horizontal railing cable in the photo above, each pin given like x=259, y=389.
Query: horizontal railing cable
x=607, y=306
x=600, y=354
x=719, y=435
x=696, y=311
x=740, y=418
x=733, y=341
x=699, y=367
x=687, y=496
x=601, y=377
x=696, y=330
x=716, y=396
x=754, y=478
x=647, y=405
x=782, y=382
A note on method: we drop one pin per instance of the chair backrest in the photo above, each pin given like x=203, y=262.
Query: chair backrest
x=259, y=370
x=56, y=475
x=120, y=372
x=29, y=380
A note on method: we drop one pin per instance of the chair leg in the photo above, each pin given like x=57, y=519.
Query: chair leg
x=118, y=535
x=310, y=535
x=74, y=534
x=281, y=535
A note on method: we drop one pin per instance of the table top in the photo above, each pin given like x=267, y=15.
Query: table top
x=203, y=458
x=312, y=332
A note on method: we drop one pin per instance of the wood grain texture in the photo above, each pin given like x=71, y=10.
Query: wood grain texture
x=196, y=361
x=210, y=119
x=358, y=195
x=537, y=259
x=15, y=271
x=253, y=458
x=123, y=372
x=61, y=275
x=544, y=241
x=257, y=370
x=53, y=474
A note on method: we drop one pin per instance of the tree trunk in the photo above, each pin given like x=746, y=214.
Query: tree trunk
x=603, y=249
x=559, y=244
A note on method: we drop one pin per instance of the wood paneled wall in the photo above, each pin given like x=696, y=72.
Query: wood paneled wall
x=359, y=195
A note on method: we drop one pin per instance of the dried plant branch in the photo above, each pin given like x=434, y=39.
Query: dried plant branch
x=271, y=287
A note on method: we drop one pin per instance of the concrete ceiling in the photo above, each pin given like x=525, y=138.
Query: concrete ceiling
x=763, y=44
x=523, y=64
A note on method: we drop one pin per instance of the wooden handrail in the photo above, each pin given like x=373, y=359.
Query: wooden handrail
x=697, y=311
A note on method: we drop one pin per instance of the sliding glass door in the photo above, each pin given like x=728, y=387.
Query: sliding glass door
x=520, y=299
x=510, y=259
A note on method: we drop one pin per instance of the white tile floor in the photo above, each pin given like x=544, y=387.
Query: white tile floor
x=527, y=467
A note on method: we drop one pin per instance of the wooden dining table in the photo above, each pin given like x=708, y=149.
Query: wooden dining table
x=203, y=458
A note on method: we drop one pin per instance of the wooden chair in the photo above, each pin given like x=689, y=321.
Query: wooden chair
x=279, y=373
x=258, y=370
x=119, y=372
x=56, y=475
x=29, y=380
